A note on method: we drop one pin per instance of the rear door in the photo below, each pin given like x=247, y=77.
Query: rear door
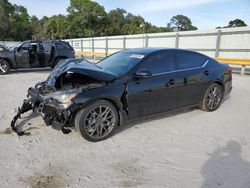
x=41, y=55
x=22, y=55
x=192, y=76
x=154, y=94
x=47, y=52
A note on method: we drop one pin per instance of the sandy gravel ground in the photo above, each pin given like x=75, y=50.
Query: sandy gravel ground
x=188, y=149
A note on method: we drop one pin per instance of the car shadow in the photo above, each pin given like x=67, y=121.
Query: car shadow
x=226, y=168
x=226, y=98
x=131, y=123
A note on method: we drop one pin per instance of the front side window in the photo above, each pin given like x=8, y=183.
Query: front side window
x=25, y=46
x=158, y=63
x=187, y=60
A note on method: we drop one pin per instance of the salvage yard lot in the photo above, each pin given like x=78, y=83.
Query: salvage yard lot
x=190, y=148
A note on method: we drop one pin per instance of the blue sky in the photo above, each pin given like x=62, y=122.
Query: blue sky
x=205, y=14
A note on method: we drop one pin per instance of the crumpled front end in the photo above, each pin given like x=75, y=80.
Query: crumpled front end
x=54, y=112
x=53, y=99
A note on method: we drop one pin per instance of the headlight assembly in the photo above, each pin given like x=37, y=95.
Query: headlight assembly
x=64, y=97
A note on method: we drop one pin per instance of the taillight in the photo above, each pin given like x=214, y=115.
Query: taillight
x=229, y=70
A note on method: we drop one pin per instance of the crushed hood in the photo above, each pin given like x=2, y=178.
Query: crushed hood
x=79, y=66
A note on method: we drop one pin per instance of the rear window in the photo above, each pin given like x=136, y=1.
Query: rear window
x=187, y=60
x=61, y=46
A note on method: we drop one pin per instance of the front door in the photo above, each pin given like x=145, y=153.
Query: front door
x=154, y=94
x=22, y=55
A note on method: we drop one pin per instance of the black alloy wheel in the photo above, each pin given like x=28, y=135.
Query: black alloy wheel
x=97, y=121
x=4, y=67
x=212, y=98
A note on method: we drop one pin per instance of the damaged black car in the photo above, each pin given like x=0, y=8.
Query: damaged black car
x=95, y=98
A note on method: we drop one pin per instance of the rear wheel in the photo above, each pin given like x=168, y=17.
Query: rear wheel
x=97, y=121
x=4, y=67
x=212, y=98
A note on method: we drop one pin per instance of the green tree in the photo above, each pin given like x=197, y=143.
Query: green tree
x=57, y=27
x=181, y=23
x=19, y=21
x=6, y=9
x=86, y=17
x=236, y=23
x=116, y=20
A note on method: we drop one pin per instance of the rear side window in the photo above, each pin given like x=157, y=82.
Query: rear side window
x=158, y=63
x=187, y=60
x=61, y=46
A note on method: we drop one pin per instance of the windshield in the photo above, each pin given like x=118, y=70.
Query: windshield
x=15, y=46
x=120, y=63
x=2, y=48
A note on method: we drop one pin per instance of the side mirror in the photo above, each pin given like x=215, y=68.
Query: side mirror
x=143, y=74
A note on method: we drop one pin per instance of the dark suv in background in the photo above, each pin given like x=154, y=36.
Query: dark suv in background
x=34, y=54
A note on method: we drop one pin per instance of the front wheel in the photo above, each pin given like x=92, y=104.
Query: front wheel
x=4, y=67
x=212, y=98
x=97, y=121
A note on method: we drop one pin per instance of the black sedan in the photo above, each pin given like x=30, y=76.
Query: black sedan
x=96, y=98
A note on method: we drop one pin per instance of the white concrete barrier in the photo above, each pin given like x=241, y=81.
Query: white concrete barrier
x=223, y=43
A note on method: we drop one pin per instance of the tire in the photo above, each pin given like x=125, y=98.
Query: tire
x=212, y=98
x=94, y=127
x=4, y=67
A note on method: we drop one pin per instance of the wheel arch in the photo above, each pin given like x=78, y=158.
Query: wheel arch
x=115, y=102
x=219, y=82
x=9, y=61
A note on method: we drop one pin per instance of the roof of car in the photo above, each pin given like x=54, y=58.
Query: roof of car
x=3, y=46
x=46, y=40
x=146, y=51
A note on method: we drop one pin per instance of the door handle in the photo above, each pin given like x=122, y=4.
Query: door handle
x=206, y=72
x=170, y=82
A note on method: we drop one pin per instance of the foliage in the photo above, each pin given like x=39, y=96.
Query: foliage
x=85, y=18
x=237, y=23
x=181, y=23
x=14, y=22
x=234, y=23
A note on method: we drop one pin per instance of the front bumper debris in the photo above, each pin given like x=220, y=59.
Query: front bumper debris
x=26, y=106
x=56, y=115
